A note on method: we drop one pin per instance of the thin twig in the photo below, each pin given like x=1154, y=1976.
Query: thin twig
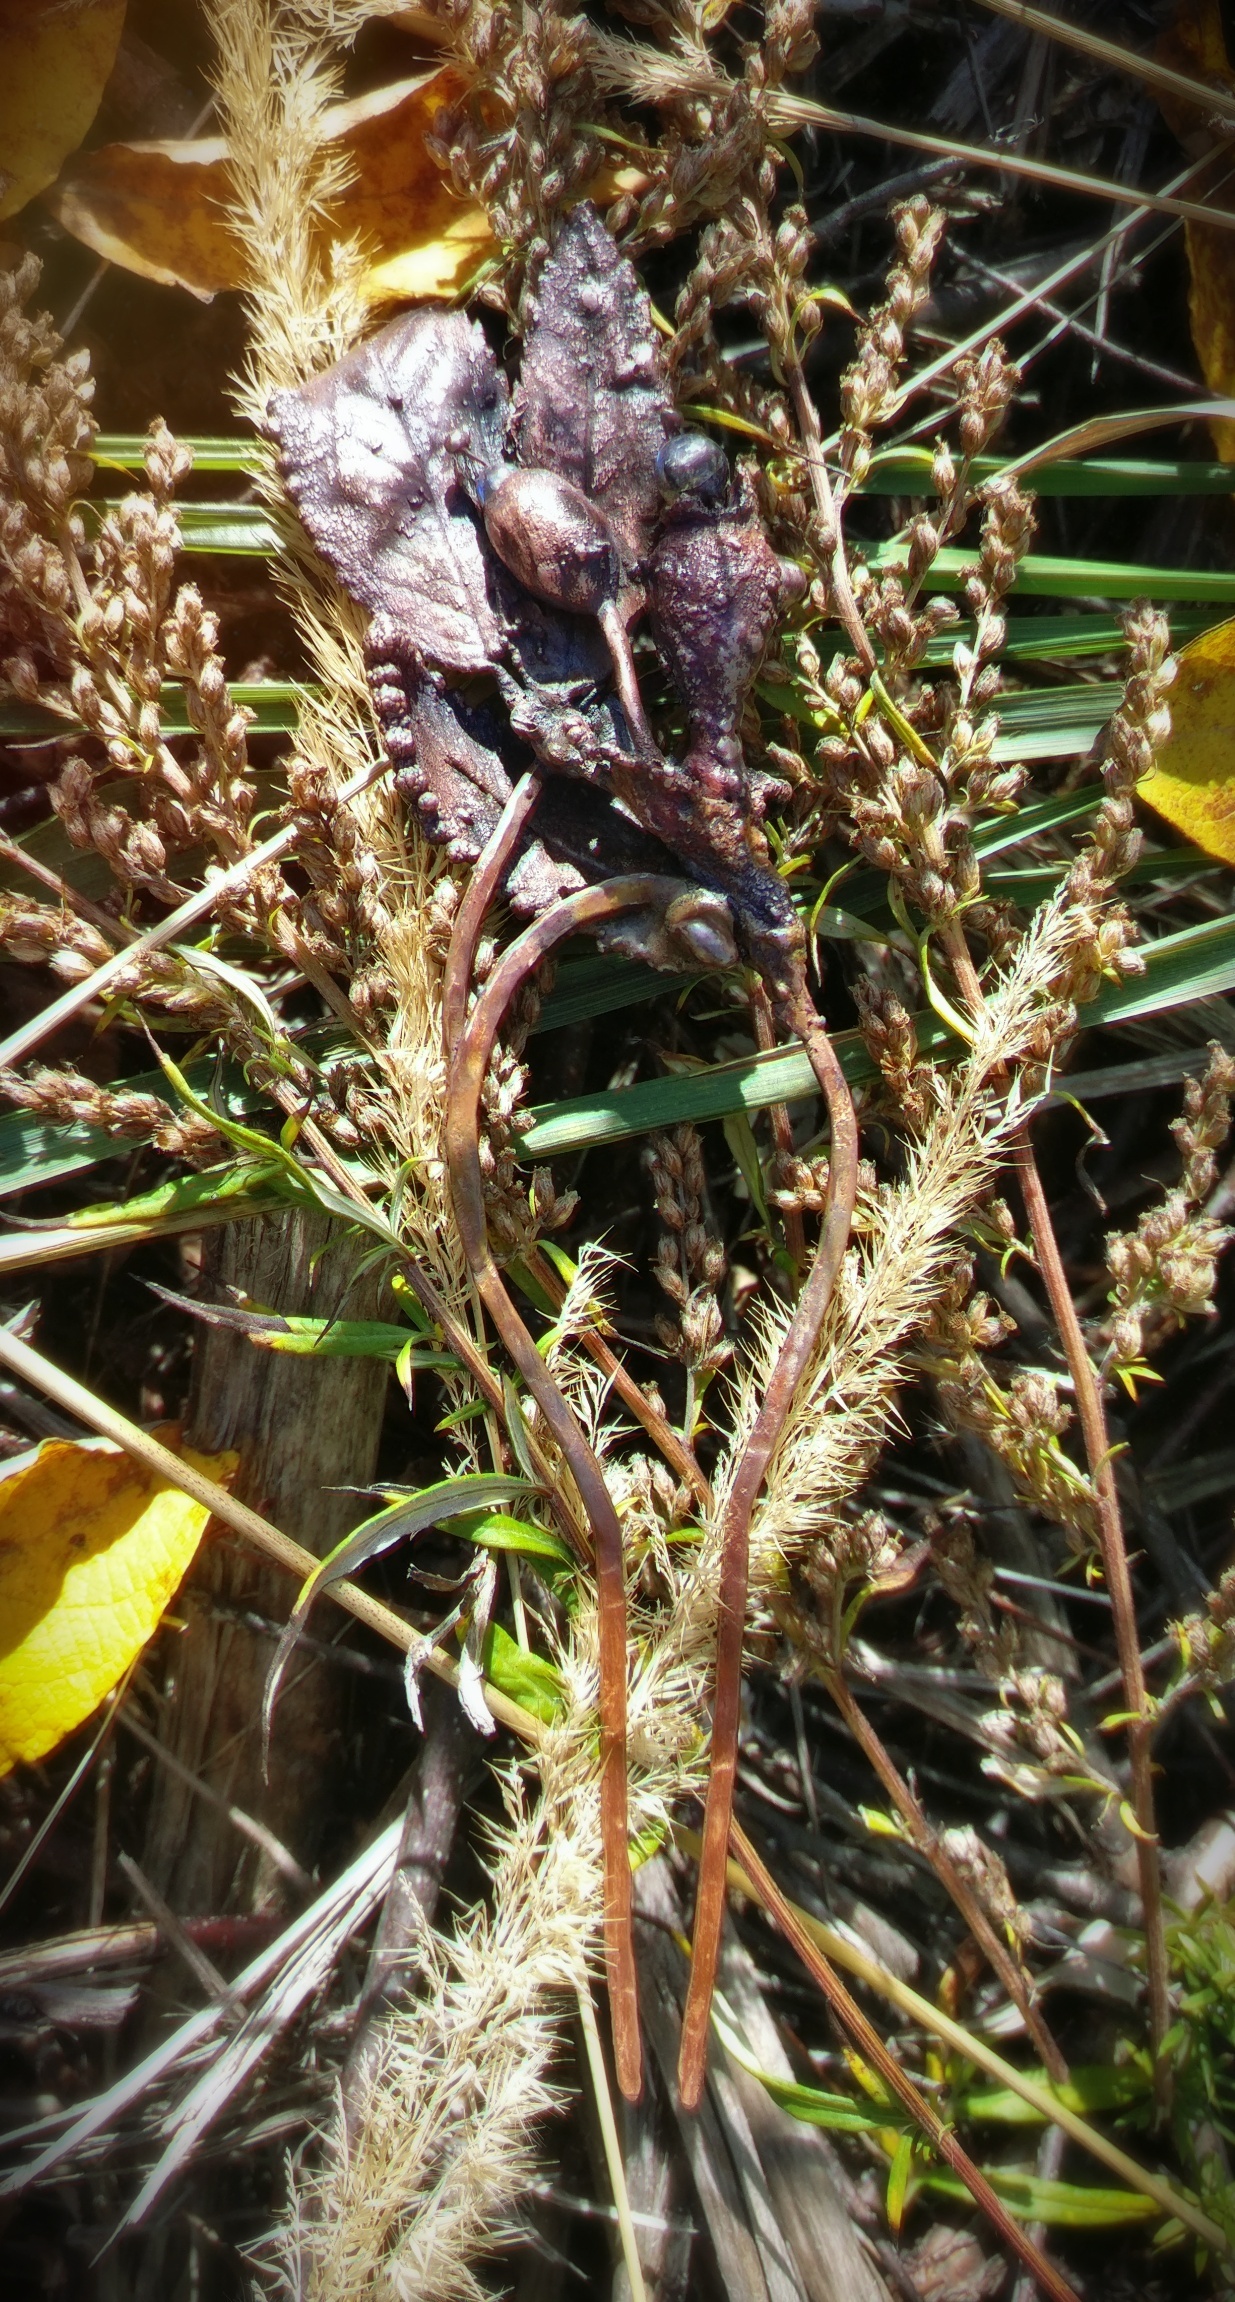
x=610, y=2143
x=762, y=1886
x=1091, y=1416
x=1209, y=95
x=845, y=1951
x=199, y=906
x=657, y=1425
x=926, y=1839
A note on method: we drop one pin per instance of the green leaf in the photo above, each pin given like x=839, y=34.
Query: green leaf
x=740, y=1138
x=907, y=472
x=1046, y=575
x=32, y=1152
x=1088, y=2088
x=1065, y=2205
x=527, y=1678
x=1063, y=638
x=346, y=1339
x=1196, y=963
x=274, y=706
x=900, y=2183
x=811, y=2105
x=448, y=1499
x=126, y=450
x=495, y=1531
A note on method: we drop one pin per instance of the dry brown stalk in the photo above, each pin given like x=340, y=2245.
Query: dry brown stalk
x=758, y=1882
x=927, y=1841
x=1092, y=1417
x=1138, y=1725
x=796, y=1351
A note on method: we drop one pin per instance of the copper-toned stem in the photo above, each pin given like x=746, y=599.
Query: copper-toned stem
x=796, y=1352
x=1092, y=1418
x=928, y=1843
x=872, y=2050
x=472, y=1058
x=1091, y=1415
x=624, y=675
x=475, y=904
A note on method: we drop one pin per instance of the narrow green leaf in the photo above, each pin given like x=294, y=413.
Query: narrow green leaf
x=811, y=2105
x=900, y=2181
x=497, y=1531
x=1046, y=575
x=1196, y=963
x=274, y=706
x=126, y=450
x=1064, y=2205
x=907, y=471
x=346, y=1339
x=448, y=1499
x=1061, y=638
x=1089, y=2088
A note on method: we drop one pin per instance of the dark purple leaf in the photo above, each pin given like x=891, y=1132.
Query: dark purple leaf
x=592, y=402
x=370, y=451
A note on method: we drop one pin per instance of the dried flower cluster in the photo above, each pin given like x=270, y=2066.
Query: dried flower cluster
x=690, y=1261
x=1163, y=1272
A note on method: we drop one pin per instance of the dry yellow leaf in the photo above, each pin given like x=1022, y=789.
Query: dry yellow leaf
x=92, y=1548
x=1195, y=42
x=57, y=59
x=1193, y=784
x=161, y=209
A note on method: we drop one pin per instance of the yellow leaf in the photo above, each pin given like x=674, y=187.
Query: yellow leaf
x=1195, y=42
x=1193, y=783
x=92, y=1547
x=57, y=59
x=161, y=209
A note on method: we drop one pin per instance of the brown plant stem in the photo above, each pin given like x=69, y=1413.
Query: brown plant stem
x=472, y=1057
x=733, y=1536
x=454, y=1334
x=469, y=921
x=477, y=898
x=1091, y=1416
x=848, y=614
x=761, y=1885
x=926, y=1839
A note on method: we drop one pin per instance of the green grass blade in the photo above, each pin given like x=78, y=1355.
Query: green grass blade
x=126, y=451
x=1197, y=963
x=1044, y=575
x=274, y=703
x=907, y=472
